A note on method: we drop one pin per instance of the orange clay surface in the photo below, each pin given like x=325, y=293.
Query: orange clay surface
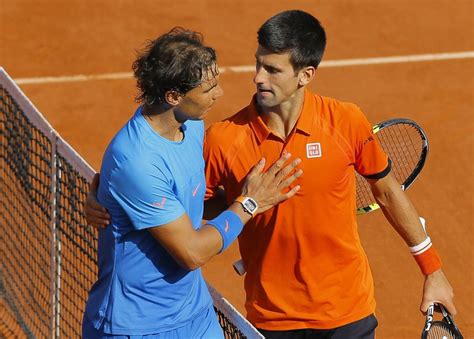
x=66, y=38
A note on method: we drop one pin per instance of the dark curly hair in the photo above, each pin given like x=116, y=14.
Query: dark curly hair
x=177, y=60
x=296, y=32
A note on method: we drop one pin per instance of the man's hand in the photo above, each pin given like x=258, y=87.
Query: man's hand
x=273, y=186
x=437, y=290
x=96, y=214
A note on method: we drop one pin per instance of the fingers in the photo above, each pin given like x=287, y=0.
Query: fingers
x=283, y=173
x=289, y=180
x=96, y=215
x=98, y=218
x=278, y=165
x=450, y=308
x=290, y=193
x=424, y=306
x=98, y=223
x=437, y=290
x=258, y=168
x=267, y=187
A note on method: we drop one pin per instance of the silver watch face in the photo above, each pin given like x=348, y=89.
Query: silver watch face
x=250, y=205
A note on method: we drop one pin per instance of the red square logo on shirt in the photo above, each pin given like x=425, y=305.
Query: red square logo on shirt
x=313, y=150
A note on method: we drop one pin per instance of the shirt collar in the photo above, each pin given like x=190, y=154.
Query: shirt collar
x=256, y=122
x=304, y=123
x=306, y=119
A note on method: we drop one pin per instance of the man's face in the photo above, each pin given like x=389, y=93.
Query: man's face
x=275, y=78
x=196, y=103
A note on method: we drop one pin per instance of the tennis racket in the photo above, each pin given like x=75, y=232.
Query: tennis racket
x=436, y=329
x=406, y=144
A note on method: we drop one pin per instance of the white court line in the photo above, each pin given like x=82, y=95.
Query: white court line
x=251, y=68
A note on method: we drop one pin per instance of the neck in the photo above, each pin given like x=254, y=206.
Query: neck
x=281, y=119
x=163, y=121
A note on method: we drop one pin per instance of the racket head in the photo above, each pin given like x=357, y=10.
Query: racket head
x=407, y=146
x=440, y=329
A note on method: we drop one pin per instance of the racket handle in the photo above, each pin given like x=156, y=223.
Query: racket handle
x=239, y=267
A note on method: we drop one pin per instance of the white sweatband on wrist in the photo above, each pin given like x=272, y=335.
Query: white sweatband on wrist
x=421, y=247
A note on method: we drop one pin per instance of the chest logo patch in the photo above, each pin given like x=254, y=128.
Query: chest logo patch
x=313, y=150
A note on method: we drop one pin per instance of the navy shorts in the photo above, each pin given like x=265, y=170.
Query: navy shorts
x=361, y=329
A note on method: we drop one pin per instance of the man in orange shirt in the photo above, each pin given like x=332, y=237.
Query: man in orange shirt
x=307, y=273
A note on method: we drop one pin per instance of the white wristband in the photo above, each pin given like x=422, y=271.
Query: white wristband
x=421, y=247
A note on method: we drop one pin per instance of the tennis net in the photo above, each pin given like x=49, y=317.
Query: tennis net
x=48, y=253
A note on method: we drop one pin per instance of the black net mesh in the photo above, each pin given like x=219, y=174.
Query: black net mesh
x=231, y=331
x=25, y=216
x=77, y=251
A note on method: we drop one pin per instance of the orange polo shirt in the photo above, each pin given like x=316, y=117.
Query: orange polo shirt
x=305, y=264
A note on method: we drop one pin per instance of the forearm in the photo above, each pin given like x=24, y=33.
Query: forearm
x=403, y=217
x=400, y=212
x=196, y=247
x=204, y=244
x=405, y=220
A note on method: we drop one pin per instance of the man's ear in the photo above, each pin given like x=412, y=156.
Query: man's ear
x=172, y=97
x=306, y=75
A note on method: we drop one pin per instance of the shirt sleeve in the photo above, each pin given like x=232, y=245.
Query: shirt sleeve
x=146, y=193
x=370, y=159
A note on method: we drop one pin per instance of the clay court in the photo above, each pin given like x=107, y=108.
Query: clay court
x=45, y=45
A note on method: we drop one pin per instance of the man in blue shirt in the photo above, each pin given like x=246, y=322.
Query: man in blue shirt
x=152, y=183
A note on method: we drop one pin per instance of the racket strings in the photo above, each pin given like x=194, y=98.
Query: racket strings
x=403, y=144
x=441, y=330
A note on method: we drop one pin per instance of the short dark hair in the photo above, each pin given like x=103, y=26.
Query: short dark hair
x=177, y=60
x=296, y=32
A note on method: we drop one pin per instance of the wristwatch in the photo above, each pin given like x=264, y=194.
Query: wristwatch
x=249, y=205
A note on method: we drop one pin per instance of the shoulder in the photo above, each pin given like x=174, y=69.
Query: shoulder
x=225, y=131
x=137, y=174
x=342, y=116
x=339, y=109
x=196, y=127
x=143, y=165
